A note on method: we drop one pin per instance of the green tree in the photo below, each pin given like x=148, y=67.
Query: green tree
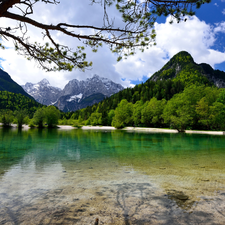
x=211, y=95
x=137, y=108
x=202, y=109
x=180, y=111
x=221, y=96
x=111, y=114
x=39, y=117
x=136, y=31
x=21, y=117
x=177, y=113
x=6, y=117
x=123, y=114
x=152, y=112
x=217, y=116
x=52, y=116
x=95, y=119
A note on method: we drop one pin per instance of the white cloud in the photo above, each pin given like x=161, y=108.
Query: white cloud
x=220, y=27
x=194, y=36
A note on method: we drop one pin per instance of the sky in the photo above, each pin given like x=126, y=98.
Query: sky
x=202, y=35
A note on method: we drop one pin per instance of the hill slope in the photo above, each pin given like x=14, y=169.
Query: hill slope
x=182, y=67
x=13, y=101
x=7, y=84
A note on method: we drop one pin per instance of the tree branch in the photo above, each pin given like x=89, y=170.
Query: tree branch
x=137, y=31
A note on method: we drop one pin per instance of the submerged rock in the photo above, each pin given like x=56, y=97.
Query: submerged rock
x=177, y=195
x=182, y=200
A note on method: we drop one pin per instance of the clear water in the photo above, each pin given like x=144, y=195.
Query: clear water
x=76, y=176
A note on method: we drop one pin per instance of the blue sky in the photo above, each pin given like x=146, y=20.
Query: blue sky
x=212, y=14
x=203, y=36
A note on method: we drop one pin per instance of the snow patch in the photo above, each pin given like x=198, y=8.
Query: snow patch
x=53, y=103
x=36, y=86
x=74, y=97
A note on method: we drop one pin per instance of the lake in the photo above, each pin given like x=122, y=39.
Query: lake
x=75, y=176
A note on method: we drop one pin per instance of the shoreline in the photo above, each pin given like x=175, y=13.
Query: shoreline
x=130, y=129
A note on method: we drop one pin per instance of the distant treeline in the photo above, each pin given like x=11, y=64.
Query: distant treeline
x=166, y=104
x=142, y=92
x=159, y=104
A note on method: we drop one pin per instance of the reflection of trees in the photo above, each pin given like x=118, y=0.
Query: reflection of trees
x=138, y=201
x=14, y=145
x=139, y=150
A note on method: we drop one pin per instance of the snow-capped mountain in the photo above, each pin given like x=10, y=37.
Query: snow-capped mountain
x=75, y=95
x=43, y=92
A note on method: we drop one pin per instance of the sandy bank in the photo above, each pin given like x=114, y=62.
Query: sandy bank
x=172, y=130
x=145, y=129
x=129, y=129
x=98, y=128
x=148, y=129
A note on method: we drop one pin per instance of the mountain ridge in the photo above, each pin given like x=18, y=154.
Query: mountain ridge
x=75, y=95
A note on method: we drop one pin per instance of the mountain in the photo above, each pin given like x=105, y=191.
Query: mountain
x=42, y=92
x=7, y=84
x=183, y=68
x=75, y=95
x=173, y=79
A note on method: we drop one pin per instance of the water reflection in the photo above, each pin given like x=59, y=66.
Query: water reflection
x=68, y=177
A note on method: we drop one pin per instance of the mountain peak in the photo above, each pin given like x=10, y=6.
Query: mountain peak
x=182, y=56
x=96, y=76
x=182, y=53
x=44, y=82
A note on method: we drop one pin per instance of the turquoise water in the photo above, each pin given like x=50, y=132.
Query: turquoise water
x=76, y=176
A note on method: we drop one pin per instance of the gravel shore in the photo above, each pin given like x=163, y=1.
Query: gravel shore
x=136, y=129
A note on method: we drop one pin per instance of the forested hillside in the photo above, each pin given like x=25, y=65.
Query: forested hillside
x=7, y=84
x=183, y=68
x=14, y=102
x=143, y=92
x=182, y=95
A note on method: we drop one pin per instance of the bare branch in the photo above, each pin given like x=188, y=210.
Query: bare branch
x=138, y=30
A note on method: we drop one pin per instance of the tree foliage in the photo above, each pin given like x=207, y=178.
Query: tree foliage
x=136, y=31
x=151, y=114
x=177, y=113
x=95, y=119
x=15, y=102
x=6, y=117
x=195, y=107
x=39, y=117
x=52, y=116
x=123, y=114
x=21, y=116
